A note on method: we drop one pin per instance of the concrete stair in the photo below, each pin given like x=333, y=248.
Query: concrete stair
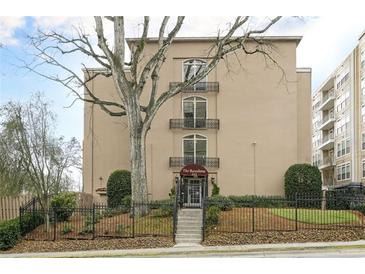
x=189, y=226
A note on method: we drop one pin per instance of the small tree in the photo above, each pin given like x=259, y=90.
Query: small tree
x=118, y=187
x=29, y=141
x=302, y=179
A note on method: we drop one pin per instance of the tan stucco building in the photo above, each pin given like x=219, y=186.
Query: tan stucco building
x=246, y=125
x=339, y=122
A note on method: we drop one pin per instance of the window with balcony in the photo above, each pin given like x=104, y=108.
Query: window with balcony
x=195, y=149
x=192, y=68
x=343, y=147
x=343, y=172
x=195, y=112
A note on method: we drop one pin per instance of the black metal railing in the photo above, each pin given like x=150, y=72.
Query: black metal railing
x=243, y=214
x=194, y=123
x=204, y=161
x=198, y=87
x=139, y=219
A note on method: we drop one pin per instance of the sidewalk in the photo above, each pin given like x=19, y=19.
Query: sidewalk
x=194, y=250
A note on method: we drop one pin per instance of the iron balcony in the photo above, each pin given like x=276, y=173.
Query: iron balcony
x=204, y=161
x=198, y=87
x=194, y=123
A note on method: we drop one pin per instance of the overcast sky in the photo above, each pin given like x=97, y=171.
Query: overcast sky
x=326, y=42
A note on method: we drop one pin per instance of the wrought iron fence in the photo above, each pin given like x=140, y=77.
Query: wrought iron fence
x=147, y=219
x=198, y=87
x=256, y=214
x=199, y=160
x=194, y=123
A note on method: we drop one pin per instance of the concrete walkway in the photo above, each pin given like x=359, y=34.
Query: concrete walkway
x=194, y=250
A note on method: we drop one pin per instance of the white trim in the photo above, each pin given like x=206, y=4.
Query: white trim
x=304, y=70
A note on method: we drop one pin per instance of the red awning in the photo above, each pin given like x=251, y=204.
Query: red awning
x=194, y=171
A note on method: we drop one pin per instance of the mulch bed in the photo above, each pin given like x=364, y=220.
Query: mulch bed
x=97, y=244
x=270, y=237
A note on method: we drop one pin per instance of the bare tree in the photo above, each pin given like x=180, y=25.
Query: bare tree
x=130, y=87
x=43, y=159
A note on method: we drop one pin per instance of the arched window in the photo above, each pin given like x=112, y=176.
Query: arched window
x=195, y=112
x=192, y=67
x=195, y=149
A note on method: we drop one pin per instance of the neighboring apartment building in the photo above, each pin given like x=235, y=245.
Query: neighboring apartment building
x=246, y=126
x=339, y=122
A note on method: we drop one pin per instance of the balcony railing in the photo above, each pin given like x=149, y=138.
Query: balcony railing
x=194, y=123
x=204, y=161
x=327, y=117
x=327, y=138
x=198, y=87
x=328, y=161
x=330, y=94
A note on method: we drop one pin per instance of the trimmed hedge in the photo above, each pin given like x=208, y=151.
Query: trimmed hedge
x=9, y=233
x=258, y=201
x=222, y=202
x=118, y=186
x=64, y=205
x=302, y=179
x=212, y=217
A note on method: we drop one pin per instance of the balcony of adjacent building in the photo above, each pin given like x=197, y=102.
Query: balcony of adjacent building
x=194, y=123
x=328, y=100
x=210, y=162
x=327, y=162
x=328, y=121
x=198, y=87
x=327, y=142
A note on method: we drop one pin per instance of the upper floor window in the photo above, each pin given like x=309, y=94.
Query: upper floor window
x=342, y=79
x=342, y=125
x=195, y=112
x=192, y=68
x=195, y=149
x=343, y=147
x=342, y=101
x=343, y=172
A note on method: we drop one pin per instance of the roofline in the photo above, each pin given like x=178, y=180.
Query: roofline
x=362, y=34
x=305, y=70
x=214, y=38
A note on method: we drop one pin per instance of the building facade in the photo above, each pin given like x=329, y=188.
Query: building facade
x=245, y=124
x=339, y=122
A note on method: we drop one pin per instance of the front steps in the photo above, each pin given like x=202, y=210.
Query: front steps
x=189, y=227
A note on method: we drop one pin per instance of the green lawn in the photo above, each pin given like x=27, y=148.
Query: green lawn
x=317, y=216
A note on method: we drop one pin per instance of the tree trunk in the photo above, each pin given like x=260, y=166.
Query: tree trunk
x=138, y=172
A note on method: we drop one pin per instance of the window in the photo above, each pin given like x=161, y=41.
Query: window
x=192, y=68
x=342, y=125
x=343, y=147
x=316, y=159
x=363, y=113
x=363, y=168
x=195, y=112
x=342, y=101
x=363, y=141
x=362, y=86
x=195, y=149
x=342, y=78
x=362, y=58
x=343, y=172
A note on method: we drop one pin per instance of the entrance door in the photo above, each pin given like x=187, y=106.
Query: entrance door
x=193, y=193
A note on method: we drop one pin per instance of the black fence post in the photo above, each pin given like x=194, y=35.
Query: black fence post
x=296, y=211
x=203, y=219
x=253, y=217
x=133, y=211
x=93, y=221
x=21, y=220
x=54, y=224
